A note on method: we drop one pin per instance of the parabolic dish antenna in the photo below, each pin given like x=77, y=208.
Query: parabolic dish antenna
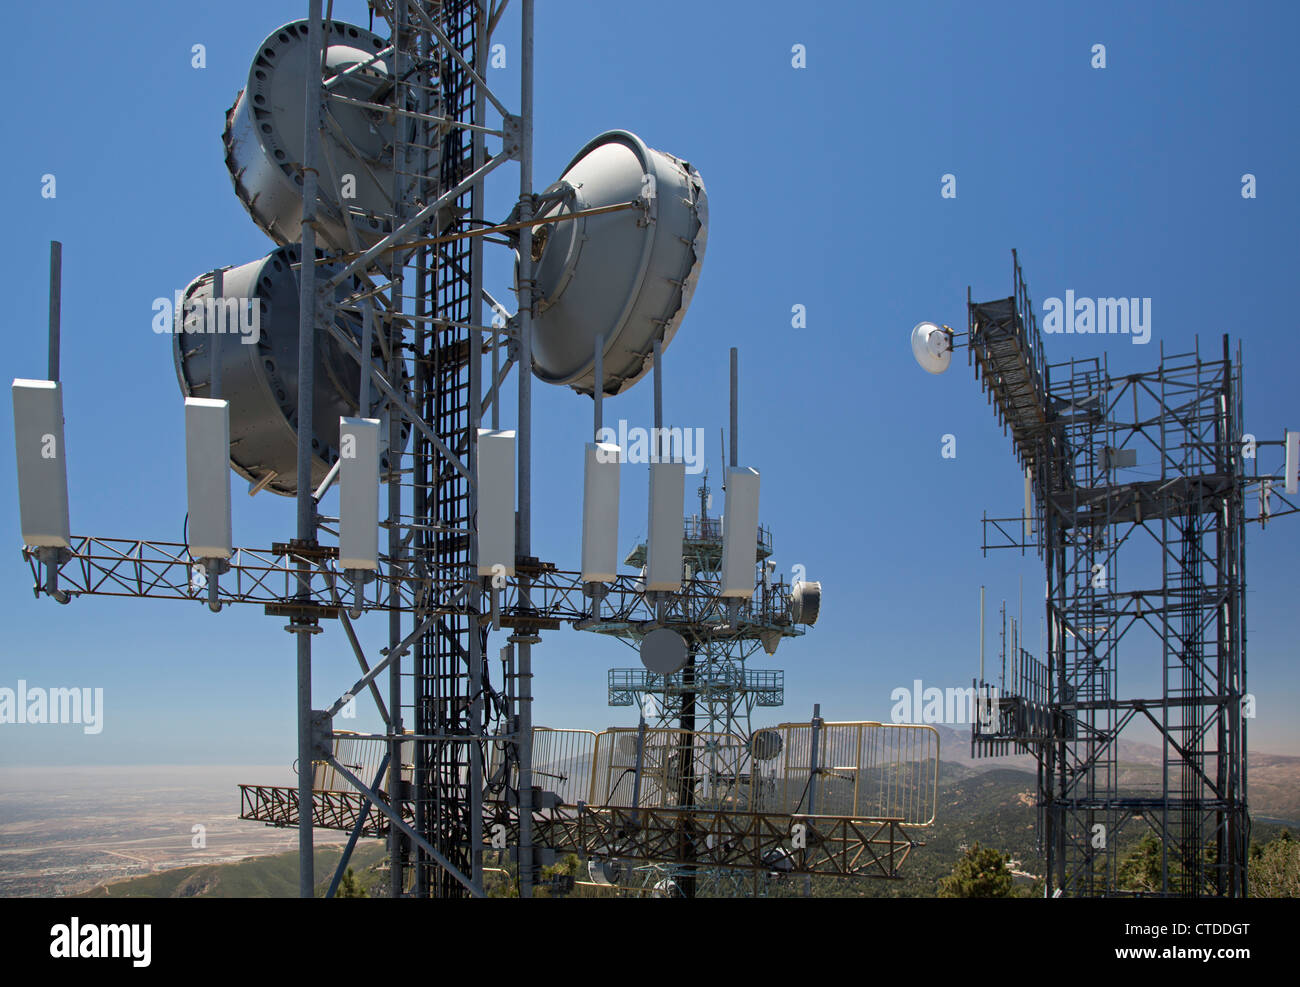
x=259, y=369
x=625, y=748
x=264, y=136
x=778, y=860
x=932, y=347
x=624, y=277
x=663, y=651
x=604, y=871
x=765, y=745
x=805, y=602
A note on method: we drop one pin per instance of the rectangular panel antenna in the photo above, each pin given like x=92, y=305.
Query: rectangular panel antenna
x=600, y=512
x=207, y=477
x=740, y=533
x=359, y=493
x=1292, y=462
x=496, y=501
x=42, y=463
x=663, y=550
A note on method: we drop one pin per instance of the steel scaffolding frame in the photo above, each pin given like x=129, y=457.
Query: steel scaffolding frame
x=715, y=694
x=1182, y=529
x=422, y=348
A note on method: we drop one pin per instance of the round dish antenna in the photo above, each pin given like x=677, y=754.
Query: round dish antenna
x=765, y=745
x=605, y=871
x=254, y=328
x=932, y=347
x=625, y=277
x=264, y=137
x=805, y=602
x=663, y=651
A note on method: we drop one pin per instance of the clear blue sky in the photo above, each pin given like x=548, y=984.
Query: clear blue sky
x=824, y=189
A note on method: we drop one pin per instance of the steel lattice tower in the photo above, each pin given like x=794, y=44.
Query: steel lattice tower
x=1178, y=526
x=715, y=694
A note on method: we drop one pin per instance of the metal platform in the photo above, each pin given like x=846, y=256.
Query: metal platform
x=751, y=841
x=627, y=686
x=851, y=803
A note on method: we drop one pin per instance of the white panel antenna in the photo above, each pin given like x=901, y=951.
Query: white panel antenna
x=1292, y=462
x=600, y=512
x=740, y=533
x=42, y=463
x=663, y=560
x=359, y=493
x=207, y=475
x=496, y=501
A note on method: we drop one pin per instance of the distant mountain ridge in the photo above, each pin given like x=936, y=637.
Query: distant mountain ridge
x=1273, y=780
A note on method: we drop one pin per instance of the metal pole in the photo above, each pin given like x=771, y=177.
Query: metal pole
x=396, y=792
x=395, y=788
x=367, y=344
x=56, y=305
x=659, y=397
x=735, y=407
x=495, y=389
x=812, y=774
x=214, y=345
x=598, y=392
x=478, y=200
x=525, y=450
x=598, y=423
x=1003, y=646
x=981, y=635
x=306, y=367
x=733, y=605
x=640, y=766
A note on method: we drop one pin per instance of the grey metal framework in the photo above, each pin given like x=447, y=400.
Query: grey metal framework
x=423, y=284
x=426, y=280
x=1176, y=520
x=758, y=687
x=458, y=734
x=715, y=694
x=418, y=291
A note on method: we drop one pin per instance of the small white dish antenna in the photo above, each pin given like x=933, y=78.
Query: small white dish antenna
x=932, y=347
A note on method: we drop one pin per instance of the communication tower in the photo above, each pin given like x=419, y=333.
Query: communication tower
x=1136, y=494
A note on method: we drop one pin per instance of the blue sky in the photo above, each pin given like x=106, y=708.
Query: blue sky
x=824, y=191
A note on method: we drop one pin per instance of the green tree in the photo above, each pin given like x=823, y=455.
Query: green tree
x=1275, y=868
x=350, y=887
x=1140, y=869
x=981, y=873
x=557, y=880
